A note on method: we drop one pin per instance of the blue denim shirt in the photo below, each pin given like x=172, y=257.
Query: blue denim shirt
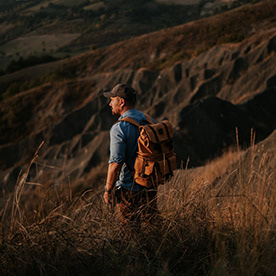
x=123, y=148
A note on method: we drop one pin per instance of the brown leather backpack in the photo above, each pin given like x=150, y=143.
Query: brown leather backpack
x=156, y=159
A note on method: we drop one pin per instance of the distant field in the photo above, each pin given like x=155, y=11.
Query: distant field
x=189, y=2
x=178, y=2
x=4, y=27
x=45, y=4
x=67, y=2
x=37, y=7
x=95, y=6
x=36, y=44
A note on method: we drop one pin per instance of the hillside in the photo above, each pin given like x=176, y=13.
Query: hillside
x=207, y=97
x=60, y=28
x=155, y=51
x=67, y=28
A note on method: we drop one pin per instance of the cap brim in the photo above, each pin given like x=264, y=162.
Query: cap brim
x=108, y=94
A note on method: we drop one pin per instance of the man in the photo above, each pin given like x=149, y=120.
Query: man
x=134, y=202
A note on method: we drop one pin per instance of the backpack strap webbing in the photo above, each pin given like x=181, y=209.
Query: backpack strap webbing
x=133, y=122
x=130, y=120
x=149, y=119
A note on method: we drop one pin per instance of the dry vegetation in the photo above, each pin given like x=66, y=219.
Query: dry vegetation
x=208, y=225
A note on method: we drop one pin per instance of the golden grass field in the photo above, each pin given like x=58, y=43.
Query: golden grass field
x=214, y=220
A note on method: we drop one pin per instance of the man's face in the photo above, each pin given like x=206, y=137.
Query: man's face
x=116, y=105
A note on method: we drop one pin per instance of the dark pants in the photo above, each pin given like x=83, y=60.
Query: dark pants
x=133, y=208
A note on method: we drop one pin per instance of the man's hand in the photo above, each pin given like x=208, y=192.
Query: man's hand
x=112, y=176
x=107, y=197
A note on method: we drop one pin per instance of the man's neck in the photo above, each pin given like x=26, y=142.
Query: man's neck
x=125, y=109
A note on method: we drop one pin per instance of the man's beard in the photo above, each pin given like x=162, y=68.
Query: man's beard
x=114, y=112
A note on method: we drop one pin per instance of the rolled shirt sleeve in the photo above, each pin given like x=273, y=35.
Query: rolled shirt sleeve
x=118, y=145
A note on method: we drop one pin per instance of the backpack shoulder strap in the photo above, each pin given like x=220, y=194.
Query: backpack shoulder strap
x=133, y=122
x=130, y=120
x=149, y=119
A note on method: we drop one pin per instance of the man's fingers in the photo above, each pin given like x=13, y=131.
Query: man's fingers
x=107, y=198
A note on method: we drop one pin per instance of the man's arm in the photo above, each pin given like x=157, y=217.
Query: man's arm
x=112, y=176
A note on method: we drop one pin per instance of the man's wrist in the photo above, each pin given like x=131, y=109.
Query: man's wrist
x=107, y=191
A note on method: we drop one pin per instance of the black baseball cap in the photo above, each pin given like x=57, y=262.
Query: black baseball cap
x=122, y=90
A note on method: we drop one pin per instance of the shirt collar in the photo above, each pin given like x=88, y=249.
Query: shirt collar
x=127, y=113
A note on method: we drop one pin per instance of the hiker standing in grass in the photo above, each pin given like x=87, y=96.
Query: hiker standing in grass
x=134, y=202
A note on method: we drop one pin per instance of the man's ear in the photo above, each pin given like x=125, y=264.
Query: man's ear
x=122, y=102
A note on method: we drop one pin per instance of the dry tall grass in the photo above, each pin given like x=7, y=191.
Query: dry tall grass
x=208, y=225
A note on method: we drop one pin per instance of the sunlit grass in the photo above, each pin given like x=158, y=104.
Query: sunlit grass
x=214, y=220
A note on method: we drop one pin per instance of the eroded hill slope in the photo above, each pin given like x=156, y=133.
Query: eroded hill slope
x=210, y=98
